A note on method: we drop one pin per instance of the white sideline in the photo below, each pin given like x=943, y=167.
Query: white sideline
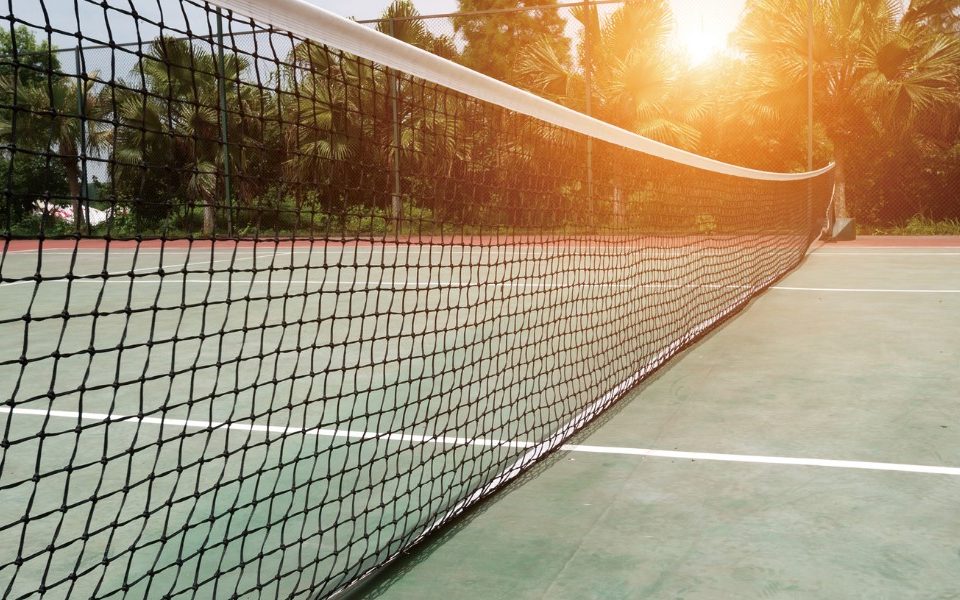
x=863, y=290
x=174, y=268
x=828, y=253
x=769, y=460
x=460, y=441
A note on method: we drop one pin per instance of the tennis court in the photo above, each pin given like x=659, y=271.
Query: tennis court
x=806, y=449
x=172, y=400
x=282, y=297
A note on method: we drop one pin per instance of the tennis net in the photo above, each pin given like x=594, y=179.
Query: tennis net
x=280, y=296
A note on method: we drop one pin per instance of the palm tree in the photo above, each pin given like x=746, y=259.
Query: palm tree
x=48, y=120
x=338, y=116
x=634, y=76
x=323, y=91
x=636, y=82
x=169, y=120
x=876, y=70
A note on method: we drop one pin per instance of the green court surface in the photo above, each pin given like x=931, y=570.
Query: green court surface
x=809, y=448
x=178, y=415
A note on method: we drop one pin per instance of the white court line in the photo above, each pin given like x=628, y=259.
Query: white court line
x=769, y=460
x=901, y=247
x=863, y=290
x=174, y=269
x=828, y=253
x=460, y=441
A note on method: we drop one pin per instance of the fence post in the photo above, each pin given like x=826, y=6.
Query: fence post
x=394, y=91
x=83, y=202
x=810, y=85
x=588, y=105
x=809, y=111
x=224, y=129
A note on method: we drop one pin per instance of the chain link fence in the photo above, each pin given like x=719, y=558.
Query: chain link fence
x=895, y=181
x=620, y=61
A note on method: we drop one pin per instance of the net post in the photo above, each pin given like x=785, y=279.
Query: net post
x=224, y=129
x=83, y=201
x=393, y=91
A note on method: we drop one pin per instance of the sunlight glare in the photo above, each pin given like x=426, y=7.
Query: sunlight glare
x=702, y=27
x=701, y=47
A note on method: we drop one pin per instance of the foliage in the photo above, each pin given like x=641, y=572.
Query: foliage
x=636, y=83
x=492, y=41
x=30, y=179
x=401, y=21
x=876, y=74
x=53, y=115
x=917, y=225
x=312, y=147
x=177, y=123
x=34, y=59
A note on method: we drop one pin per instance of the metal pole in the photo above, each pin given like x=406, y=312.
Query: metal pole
x=810, y=217
x=588, y=105
x=393, y=91
x=83, y=200
x=224, y=130
x=810, y=85
x=489, y=12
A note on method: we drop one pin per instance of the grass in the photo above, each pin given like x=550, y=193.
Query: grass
x=916, y=225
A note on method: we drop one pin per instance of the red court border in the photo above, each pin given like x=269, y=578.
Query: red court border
x=647, y=241
x=895, y=241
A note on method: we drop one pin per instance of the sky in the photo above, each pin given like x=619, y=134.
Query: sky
x=702, y=26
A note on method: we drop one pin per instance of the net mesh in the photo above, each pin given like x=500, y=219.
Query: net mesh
x=272, y=311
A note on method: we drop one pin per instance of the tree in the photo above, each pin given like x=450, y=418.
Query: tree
x=54, y=114
x=637, y=83
x=877, y=73
x=34, y=59
x=403, y=21
x=339, y=122
x=167, y=142
x=494, y=40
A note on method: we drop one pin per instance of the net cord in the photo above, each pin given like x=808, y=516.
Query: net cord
x=321, y=26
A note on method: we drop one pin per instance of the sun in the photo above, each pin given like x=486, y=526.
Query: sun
x=702, y=29
x=700, y=47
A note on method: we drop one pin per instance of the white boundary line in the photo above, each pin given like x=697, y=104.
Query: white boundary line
x=174, y=269
x=460, y=441
x=924, y=253
x=769, y=460
x=826, y=247
x=861, y=290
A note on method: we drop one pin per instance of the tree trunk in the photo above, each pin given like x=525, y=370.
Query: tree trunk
x=840, y=189
x=209, y=218
x=73, y=183
x=618, y=212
